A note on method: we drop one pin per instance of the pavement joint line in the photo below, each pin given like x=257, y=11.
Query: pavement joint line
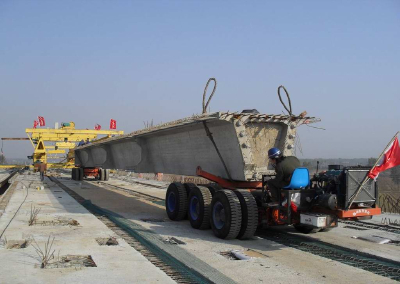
x=176, y=262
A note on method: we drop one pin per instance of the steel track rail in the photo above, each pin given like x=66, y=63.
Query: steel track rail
x=381, y=227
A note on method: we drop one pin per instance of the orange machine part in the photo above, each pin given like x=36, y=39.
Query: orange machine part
x=226, y=183
x=91, y=172
x=359, y=212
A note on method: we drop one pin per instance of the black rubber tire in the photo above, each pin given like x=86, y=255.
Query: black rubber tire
x=73, y=174
x=305, y=229
x=80, y=171
x=106, y=174
x=249, y=208
x=203, y=209
x=177, y=192
x=230, y=203
x=189, y=186
x=213, y=187
x=102, y=174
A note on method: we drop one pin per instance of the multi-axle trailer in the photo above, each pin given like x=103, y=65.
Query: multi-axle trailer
x=237, y=209
x=230, y=150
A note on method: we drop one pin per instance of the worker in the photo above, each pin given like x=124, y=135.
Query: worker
x=42, y=170
x=284, y=168
x=87, y=141
x=81, y=143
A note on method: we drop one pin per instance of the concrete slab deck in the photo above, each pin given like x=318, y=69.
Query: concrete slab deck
x=115, y=264
x=278, y=264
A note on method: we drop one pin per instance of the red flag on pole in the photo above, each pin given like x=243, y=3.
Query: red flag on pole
x=391, y=158
x=113, y=124
x=35, y=123
x=97, y=127
x=42, y=122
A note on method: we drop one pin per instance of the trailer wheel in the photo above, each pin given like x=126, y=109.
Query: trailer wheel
x=226, y=214
x=80, y=171
x=189, y=186
x=305, y=229
x=106, y=174
x=176, y=202
x=199, y=207
x=249, y=208
x=213, y=187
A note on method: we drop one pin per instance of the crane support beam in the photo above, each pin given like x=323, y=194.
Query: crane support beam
x=61, y=138
x=14, y=138
x=56, y=152
x=74, y=131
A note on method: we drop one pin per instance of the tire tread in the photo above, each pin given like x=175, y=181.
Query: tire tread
x=249, y=215
x=236, y=214
x=207, y=197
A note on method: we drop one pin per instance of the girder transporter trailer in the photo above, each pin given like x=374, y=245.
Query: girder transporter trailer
x=230, y=150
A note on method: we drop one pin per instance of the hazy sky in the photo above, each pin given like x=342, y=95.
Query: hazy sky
x=134, y=61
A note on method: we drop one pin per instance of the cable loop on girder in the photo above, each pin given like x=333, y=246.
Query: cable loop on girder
x=289, y=110
x=205, y=105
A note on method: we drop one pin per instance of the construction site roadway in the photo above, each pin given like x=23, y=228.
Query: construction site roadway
x=154, y=249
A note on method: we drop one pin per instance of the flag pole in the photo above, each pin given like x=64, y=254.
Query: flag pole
x=366, y=177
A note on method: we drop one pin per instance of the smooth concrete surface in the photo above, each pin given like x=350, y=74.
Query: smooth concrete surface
x=275, y=263
x=115, y=264
x=178, y=151
x=180, y=147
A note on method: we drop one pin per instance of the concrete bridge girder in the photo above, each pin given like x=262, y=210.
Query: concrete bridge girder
x=180, y=147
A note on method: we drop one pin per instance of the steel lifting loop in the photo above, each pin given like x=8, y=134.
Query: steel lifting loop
x=205, y=105
x=289, y=110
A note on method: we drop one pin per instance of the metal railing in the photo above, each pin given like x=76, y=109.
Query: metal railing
x=389, y=203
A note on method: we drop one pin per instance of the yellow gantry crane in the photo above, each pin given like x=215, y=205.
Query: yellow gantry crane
x=62, y=139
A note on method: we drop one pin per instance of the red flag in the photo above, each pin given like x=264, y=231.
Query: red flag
x=113, y=124
x=41, y=121
x=35, y=123
x=390, y=159
x=97, y=127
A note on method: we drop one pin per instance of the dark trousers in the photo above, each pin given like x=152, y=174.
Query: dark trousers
x=275, y=191
x=42, y=176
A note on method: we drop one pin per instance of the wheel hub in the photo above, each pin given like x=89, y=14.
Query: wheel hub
x=171, y=204
x=219, y=217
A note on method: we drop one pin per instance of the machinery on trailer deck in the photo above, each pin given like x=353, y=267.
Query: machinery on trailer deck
x=236, y=209
x=79, y=173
